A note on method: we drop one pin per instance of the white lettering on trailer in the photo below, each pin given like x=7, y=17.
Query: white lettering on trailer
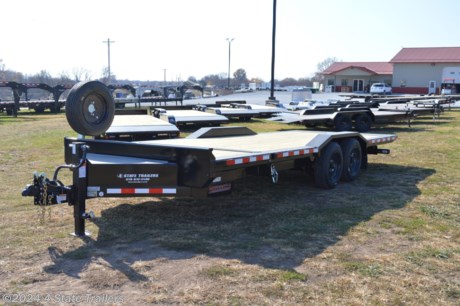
x=134, y=178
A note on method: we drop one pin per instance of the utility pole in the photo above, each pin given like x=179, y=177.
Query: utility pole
x=108, y=42
x=164, y=76
x=272, y=86
x=229, y=44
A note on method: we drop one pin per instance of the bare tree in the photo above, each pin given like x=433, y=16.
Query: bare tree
x=323, y=66
x=81, y=74
x=64, y=77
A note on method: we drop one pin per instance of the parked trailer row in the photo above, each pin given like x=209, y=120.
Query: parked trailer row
x=205, y=163
x=342, y=116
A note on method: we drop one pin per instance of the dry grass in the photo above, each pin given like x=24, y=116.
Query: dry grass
x=389, y=238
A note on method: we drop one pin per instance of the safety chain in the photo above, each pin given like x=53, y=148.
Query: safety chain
x=45, y=199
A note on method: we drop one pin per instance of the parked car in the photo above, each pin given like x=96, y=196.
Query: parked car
x=380, y=88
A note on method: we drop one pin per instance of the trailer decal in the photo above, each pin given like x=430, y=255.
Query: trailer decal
x=141, y=190
x=220, y=188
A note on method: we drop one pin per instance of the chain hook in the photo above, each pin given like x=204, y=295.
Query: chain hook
x=274, y=173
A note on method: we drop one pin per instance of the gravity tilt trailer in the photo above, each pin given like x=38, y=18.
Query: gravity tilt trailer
x=205, y=163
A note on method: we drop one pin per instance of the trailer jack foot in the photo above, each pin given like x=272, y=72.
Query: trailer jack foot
x=85, y=234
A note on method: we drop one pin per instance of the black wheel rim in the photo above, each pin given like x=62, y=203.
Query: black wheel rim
x=334, y=171
x=94, y=109
x=354, y=161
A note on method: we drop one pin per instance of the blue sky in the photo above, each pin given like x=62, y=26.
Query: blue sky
x=188, y=38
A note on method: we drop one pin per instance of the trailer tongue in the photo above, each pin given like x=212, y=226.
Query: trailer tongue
x=204, y=164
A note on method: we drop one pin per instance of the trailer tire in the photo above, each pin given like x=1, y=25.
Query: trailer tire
x=342, y=123
x=363, y=123
x=328, y=166
x=90, y=108
x=39, y=109
x=352, y=159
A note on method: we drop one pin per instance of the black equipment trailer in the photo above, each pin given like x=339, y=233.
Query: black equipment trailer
x=205, y=163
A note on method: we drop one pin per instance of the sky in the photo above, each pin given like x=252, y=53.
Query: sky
x=189, y=38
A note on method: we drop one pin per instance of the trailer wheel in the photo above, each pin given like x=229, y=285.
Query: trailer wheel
x=342, y=123
x=352, y=158
x=39, y=109
x=328, y=166
x=363, y=123
x=90, y=108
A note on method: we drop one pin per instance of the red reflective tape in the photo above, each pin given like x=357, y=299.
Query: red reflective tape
x=245, y=160
x=230, y=162
x=155, y=190
x=128, y=190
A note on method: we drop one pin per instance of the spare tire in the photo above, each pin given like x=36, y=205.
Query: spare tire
x=90, y=108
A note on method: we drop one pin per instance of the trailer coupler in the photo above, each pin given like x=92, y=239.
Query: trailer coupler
x=47, y=192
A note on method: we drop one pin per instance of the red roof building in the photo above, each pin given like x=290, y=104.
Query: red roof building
x=411, y=70
x=356, y=76
x=425, y=70
x=427, y=55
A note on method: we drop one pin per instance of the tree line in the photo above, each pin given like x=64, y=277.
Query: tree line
x=238, y=78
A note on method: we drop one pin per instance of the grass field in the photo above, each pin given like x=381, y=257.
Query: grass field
x=392, y=237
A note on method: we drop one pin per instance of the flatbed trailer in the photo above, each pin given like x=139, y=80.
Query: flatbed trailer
x=204, y=164
x=139, y=127
x=242, y=114
x=38, y=106
x=261, y=111
x=182, y=118
x=361, y=118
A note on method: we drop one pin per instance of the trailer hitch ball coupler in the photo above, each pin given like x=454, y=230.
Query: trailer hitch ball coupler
x=274, y=174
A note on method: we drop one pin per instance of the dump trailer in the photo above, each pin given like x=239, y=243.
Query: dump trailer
x=206, y=163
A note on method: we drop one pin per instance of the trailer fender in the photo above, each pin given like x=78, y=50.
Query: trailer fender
x=90, y=108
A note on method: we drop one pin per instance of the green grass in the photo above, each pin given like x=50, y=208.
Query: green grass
x=390, y=237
